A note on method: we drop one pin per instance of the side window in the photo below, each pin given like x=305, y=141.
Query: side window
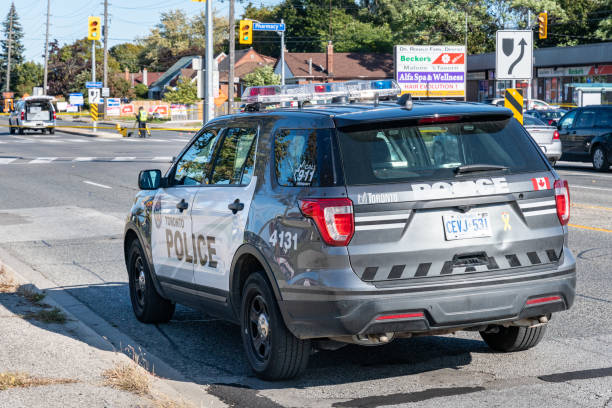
x=568, y=120
x=604, y=118
x=193, y=166
x=586, y=119
x=303, y=157
x=235, y=157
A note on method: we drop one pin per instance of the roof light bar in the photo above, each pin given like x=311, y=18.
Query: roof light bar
x=321, y=93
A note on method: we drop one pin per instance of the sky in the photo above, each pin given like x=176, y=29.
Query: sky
x=128, y=19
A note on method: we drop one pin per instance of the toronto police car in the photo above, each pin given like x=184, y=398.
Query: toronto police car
x=336, y=223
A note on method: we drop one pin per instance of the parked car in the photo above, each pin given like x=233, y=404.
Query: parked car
x=527, y=103
x=547, y=137
x=585, y=134
x=33, y=113
x=550, y=116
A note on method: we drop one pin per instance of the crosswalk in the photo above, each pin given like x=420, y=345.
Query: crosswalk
x=59, y=160
x=56, y=141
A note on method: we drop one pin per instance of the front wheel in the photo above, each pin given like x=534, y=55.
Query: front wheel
x=600, y=159
x=148, y=305
x=513, y=338
x=273, y=352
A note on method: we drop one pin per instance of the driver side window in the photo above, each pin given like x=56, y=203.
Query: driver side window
x=568, y=120
x=194, y=165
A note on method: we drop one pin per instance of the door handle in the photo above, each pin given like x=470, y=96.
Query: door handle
x=236, y=206
x=182, y=205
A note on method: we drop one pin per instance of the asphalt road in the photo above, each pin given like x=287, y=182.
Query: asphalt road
x=63, y=201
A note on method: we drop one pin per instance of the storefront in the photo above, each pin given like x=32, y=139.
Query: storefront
x=555, y=84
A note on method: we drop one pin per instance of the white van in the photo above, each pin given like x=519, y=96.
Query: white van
x=35, y=113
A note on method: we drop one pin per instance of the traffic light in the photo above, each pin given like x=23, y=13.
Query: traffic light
x=94, y=28
x=246, y=32
x=543, y=25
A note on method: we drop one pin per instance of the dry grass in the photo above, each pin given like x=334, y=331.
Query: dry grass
x=48, y=316
x=7, y=285
x=128, y=377
x=20, y=380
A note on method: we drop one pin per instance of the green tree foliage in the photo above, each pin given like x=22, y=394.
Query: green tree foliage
x=262, y=76
x=141, y=91
x=185, y=92
x=128, y=55
x=178, y=35
x=27, y=76
x=17, y=49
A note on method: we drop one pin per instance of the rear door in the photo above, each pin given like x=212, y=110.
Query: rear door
x=422, y=212
x=38, y=110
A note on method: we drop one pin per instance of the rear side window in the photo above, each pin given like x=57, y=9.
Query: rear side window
x=304, y=157
x=586, y=119
x=400, y=154
x=604, y=118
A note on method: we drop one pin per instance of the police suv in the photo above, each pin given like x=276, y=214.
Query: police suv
x=334, y=223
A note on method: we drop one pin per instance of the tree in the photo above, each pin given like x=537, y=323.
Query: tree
x=17, y=48
x=185, y=92
x=261, y=76
x=27, y=76
x=128, y=55
x=141, y=91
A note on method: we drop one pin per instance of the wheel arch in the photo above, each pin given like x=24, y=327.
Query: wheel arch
x=131, y=234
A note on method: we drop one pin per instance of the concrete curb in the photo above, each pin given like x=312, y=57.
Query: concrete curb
x=100, y=334
x=88, y=133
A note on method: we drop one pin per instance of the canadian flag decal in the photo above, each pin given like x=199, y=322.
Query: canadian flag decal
x=541, y=183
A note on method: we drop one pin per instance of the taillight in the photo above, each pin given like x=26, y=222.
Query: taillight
x=562, y=197
x=439, y=119
x=556, y=135
x=54, y=115
x=333, y=217
x=547, y=299
x=22, y=115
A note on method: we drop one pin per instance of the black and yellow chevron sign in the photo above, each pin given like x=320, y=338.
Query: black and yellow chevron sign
x=514, y=102
x=94, y=111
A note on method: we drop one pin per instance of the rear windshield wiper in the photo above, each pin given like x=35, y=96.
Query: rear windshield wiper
x=471, y=168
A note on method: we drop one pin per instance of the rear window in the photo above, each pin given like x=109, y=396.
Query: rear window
x=35, y=107
x=532, y=121
x=399, y=154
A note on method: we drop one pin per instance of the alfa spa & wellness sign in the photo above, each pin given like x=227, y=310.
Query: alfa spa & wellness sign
x=430, y=70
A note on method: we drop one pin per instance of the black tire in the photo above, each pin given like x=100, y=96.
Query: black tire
x=600, y=159
x=51, y=131
x=514, y=338
x=148, y=305
x=43, y=131
x=11, y=128
x=21, y=131
x=280, y=355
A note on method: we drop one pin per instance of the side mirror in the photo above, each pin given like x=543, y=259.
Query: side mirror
x=150, y=179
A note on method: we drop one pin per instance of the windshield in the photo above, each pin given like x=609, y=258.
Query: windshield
x=401, y=154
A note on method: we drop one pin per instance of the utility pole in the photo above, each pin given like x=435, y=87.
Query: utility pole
x=45, y=87
x=282, y=56
x=209, y=106
x=466, y=56
x=10, y=47
x=105, y=43
x=232, y=58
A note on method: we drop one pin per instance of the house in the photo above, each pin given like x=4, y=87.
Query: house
x=142, y=77
x=157, y=88
x=330, y=66
x=245, y=62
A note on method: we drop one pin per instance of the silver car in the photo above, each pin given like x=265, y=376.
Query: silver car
x=547, y=137
x=34, y=113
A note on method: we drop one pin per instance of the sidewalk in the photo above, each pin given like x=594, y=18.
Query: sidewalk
x=49, y=358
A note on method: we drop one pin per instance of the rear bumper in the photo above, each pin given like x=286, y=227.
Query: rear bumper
x=553, y=151
x=37, y=125
x=320, y=313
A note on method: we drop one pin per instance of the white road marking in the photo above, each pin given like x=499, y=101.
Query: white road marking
x=7, y=160
x=96, y=184
x=83, y=159
x=589, y=174
x=162, y=158
x=43, y=160
x=116, y=159
x=589, y=188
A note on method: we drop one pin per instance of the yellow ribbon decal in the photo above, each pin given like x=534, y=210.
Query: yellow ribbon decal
x=506, y=219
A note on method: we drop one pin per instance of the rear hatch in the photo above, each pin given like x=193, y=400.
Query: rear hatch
x=39, y=110
x=444, y=196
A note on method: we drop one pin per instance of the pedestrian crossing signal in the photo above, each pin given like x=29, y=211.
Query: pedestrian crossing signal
x=246, y=32
x=93, y=29
x=543, y=25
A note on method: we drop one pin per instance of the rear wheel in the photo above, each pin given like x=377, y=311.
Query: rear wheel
x=600, y=159
x=148, y=305
x=513, y=338
x=21, y=131
x=11, y=128
x=51, y=131
x=273, y=352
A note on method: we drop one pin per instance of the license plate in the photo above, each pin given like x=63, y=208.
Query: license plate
x=464, y=226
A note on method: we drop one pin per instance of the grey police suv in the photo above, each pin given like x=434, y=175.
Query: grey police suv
x=319, y=226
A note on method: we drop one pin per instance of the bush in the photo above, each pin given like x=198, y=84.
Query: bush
x=142, y=91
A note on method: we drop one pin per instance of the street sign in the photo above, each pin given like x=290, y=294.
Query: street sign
x=76, y=99
x=90, y=84
x=430, y=70
x=94, y=96
x=513, y=100
x=113, y=106
x=514, y=54
x=105, y=92
x=93, y=111
x=268, y=27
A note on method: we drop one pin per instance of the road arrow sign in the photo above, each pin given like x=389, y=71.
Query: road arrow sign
x=514, y=54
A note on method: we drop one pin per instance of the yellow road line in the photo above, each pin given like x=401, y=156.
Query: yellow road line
x=589, y=228
x=596, y=207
